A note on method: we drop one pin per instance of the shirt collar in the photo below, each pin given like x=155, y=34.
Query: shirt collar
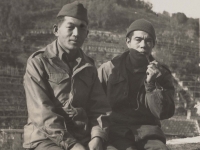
x=60, y=51
x=63, y=55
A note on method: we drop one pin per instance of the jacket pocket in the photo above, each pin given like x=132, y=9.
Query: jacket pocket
x=58, y=77
x=117, y=90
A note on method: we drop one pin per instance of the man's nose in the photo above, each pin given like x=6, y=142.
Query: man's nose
x=75, y=31
x=143, y=43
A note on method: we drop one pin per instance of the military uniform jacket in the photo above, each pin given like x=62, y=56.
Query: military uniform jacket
x=50, y=89
x=154, y=101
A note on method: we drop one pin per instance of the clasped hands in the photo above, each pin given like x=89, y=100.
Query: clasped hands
x=95, y=144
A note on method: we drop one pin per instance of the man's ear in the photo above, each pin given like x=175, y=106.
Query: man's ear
x=55, y=29
x=128, y=40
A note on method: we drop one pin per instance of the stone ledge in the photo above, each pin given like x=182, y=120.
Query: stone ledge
x=184, y=140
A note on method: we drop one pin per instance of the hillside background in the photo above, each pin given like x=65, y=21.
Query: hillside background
x=17, y=18
x=26, y=26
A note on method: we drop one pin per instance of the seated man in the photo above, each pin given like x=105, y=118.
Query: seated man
x=67, y=107
x=140, y=92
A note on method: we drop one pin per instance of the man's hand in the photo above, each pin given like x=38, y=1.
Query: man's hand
x=95, y=144
x=154, y=70
x=78, y=146
x=71, y=112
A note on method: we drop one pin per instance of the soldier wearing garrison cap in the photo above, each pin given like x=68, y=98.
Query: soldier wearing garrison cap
x=67, y=107
x=140, y=92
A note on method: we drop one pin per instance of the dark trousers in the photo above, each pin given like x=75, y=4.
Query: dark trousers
x=142, y=145
x=151, y=144
x=118, y=144
x=49, y=145
x=124, y=140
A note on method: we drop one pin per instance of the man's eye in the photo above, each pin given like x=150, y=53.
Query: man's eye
x=138, y=40
x=70, y=27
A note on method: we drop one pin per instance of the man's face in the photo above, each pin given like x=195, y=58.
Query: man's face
x=72, y=33
x=140, y=41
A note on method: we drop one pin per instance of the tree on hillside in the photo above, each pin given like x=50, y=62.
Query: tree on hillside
x=16, y=16
x=4, y=14
x=104, y=14
x=180, y=18
x=193, y=24
x=127, y=3
x=13, y=18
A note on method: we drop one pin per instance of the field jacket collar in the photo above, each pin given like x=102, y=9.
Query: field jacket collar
x=83, y=61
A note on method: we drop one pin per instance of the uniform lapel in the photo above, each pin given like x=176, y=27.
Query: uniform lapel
x=51, y=53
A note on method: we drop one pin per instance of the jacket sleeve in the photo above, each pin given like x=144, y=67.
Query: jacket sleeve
x=160, y=96
x=98, y=110
x=41, y=110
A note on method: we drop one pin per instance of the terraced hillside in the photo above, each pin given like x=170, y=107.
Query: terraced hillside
x=13, y=112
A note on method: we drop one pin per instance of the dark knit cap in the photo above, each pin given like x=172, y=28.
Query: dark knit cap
x=142, y=25
x=75, y=10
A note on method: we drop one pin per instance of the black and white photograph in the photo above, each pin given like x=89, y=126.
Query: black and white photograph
x=99, y=75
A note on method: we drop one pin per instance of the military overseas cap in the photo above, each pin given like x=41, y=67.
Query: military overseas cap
x=142, y=25
x=75, y=10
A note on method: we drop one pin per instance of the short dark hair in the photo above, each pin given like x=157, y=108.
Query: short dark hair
x=60, y=20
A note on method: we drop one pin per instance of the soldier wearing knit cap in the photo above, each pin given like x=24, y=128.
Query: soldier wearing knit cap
x=140, y=92
x=67, y=107
x=142, y=25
